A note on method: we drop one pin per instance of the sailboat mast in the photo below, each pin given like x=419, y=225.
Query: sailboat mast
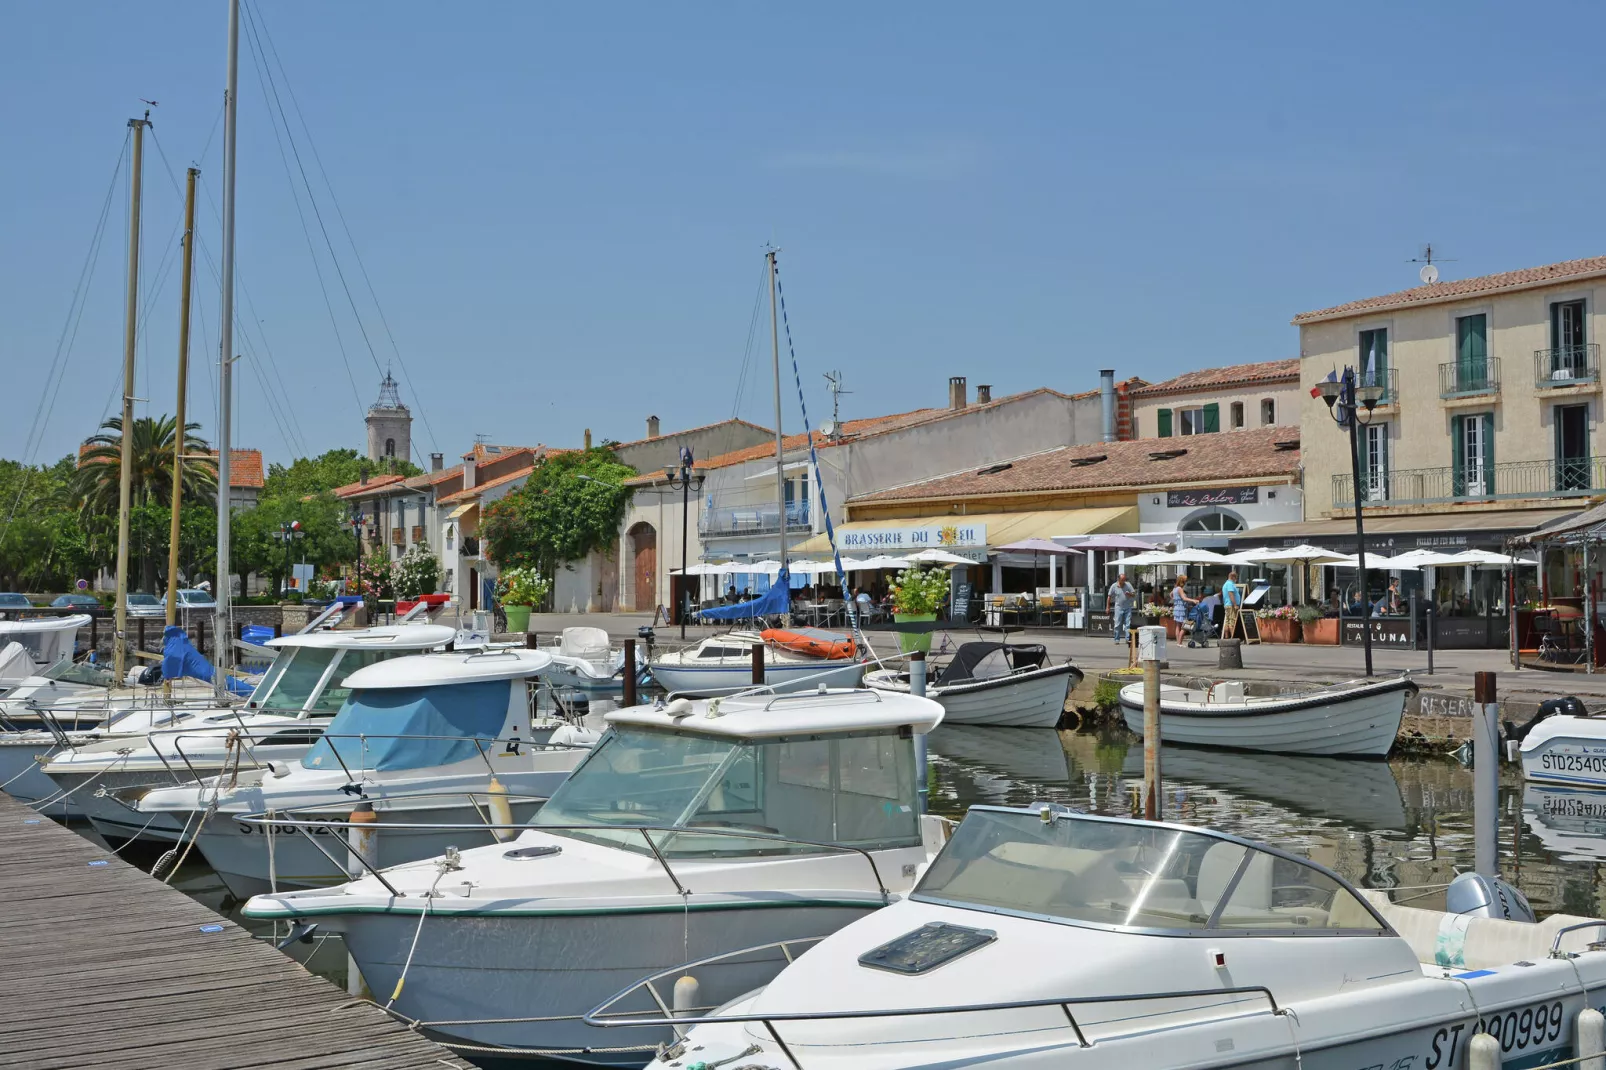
x=223, y=635
x=183, y=393
x=125, y=487
x=780, y=458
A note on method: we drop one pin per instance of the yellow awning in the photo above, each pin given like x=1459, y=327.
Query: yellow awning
x=1002, y=528
x=462, y=510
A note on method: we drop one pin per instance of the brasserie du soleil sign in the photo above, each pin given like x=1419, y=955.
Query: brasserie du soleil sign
x=936, y=536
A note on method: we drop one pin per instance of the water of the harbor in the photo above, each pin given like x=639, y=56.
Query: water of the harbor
x=1404, y=824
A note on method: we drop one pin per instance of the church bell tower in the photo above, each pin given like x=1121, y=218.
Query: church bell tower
x=390, y=425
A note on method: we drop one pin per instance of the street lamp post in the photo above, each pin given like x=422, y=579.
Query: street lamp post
x=288, y=532
x=357, y=521
x=686, y=479
x=1346, y=400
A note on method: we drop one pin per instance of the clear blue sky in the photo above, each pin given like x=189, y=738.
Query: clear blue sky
x=562, y=208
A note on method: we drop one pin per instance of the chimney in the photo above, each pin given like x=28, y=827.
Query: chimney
x=956, y=392
x=984, y=393
x=652, y=427
x=588, y=438
x=364, y=479
x=437, y=461
x=1107, y=400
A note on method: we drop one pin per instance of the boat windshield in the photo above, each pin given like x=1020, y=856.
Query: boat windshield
x=295, y=674
x=1128, y=874
x=78, y=672
x=849, y=789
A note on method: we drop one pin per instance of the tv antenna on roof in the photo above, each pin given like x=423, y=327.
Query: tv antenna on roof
x=481, y=439
x=833, y=383
x=1429, y=274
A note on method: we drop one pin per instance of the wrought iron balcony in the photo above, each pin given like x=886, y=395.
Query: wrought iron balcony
x=752, y=520
x=1565, y=477
x=1463, y=379
x=1577, y=365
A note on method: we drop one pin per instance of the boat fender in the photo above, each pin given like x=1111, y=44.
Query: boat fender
x=685, y=999
x=1570, y=705
x=501, y=813
x=680, y=707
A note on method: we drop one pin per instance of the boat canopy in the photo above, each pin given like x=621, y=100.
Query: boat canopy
x=48, y=639
x=775, y=602
x=806, y=712
x=984, y=661
x=1054, y=864
x=411, y=728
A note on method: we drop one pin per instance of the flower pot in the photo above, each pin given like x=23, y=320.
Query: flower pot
x=1173, y=630
x=1278, y=630
x=909, y=642
x=1323, y=631
x=518, y=618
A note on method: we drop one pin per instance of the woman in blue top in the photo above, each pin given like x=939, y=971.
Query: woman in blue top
x=1181, y=603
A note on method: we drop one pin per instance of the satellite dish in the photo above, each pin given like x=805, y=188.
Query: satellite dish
x=828, y=428
x=1429, y=274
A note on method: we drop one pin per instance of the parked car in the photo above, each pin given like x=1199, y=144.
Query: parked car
x=146, y=605
x=83, y=603
x=191, y=599
x=9, y=600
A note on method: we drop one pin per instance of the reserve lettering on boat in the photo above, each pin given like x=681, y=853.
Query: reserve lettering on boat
x=1562, y=762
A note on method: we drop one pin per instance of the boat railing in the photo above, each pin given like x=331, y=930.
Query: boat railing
x=601, y=1017
x=304, y=826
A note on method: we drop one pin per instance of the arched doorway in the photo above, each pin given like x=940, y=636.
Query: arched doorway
x=644, y=560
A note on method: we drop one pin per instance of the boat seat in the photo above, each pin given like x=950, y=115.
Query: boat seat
x=1460, y=940
x=590, y=644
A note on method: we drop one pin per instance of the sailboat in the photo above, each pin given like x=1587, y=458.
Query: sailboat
x=723, y=662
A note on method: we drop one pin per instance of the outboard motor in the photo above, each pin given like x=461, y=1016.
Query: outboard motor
x=1478, y=896
x=1570, y=705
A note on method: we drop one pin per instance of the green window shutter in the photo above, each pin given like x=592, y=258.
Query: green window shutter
x=1458, y=475
x=1165, y=423
x=1212, y=418
x=1489, y=487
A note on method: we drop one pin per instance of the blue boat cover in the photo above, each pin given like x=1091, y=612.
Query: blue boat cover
x=180, y=659
x=775, y=602
x=452, y=715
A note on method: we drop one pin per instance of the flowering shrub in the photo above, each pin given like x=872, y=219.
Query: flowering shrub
x=374, y=580
x=416, y=573
x=522, y=587
x=1155, y=609
x=920, y=590
x=1279, y=613
x=327, y=587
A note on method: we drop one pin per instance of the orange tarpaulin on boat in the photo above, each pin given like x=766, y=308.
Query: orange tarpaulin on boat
x=821, y=644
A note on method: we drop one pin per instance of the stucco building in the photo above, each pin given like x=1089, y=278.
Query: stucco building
x=1230, y=398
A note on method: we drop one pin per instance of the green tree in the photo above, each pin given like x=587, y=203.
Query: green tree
x=326, y=538
x=97, y=481
x=335, y=468
x=44, y=544
x=571, y=505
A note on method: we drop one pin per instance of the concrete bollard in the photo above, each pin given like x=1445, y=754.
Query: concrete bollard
x=1151, y=645
x=1230, y=654
x=1591, y=1043
x=1483, y=1052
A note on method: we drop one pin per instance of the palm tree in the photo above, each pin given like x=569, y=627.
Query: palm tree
x=96, y=483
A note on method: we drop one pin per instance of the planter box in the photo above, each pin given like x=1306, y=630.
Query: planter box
x=1323, y=632
x=1278, y=630
x=909, y=642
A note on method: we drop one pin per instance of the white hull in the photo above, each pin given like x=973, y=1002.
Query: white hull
x=92, y=795
x=1360, y=723
x=780, y=676
x=25, y=782
x=1033, y=699
x=562, y=966
x=1566, y=750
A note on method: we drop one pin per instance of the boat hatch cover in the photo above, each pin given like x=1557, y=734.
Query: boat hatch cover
x=926, y=948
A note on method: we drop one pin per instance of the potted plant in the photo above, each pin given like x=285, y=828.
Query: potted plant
x=1279, y=625
x=916, y=597
x=1156, y=612
x=521, y=590
x=1315, y=628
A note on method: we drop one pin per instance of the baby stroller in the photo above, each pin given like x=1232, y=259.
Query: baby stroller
x=1203, y=629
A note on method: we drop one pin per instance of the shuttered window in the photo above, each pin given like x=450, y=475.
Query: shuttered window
x=1164, y=418
x=1212, y=418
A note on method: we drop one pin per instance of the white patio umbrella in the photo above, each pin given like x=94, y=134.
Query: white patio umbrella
x=938, y=557
x=1410, y=560
x=1488, y=557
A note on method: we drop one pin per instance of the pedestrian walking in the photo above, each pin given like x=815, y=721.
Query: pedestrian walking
x=1121, y=597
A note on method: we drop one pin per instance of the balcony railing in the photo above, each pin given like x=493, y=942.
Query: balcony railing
x=752, y=520
x=1469, y=378
x=1567, y=366
x=1566, y=477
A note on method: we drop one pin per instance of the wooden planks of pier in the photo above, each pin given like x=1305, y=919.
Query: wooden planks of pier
x=104, y=966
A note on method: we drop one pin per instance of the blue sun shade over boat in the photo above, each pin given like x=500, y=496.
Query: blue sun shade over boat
x=449, y=714
x=774, y=602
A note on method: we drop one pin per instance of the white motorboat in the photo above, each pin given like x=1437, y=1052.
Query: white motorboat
x=283, y=717
x=723, y=663
x=692, y=828
x=424, y=741
x=1353, y=719
x=1563, y=744
x=1000, y=684
x=1046, y=938
x=585, y=659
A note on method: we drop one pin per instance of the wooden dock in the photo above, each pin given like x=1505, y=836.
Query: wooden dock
x=104, y=966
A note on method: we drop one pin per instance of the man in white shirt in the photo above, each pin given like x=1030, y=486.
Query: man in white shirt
x=1121, y=597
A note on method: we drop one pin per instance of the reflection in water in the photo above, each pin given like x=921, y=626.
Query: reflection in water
x=1400, y=824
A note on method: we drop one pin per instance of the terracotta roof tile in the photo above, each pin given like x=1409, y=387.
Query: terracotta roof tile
x=1527, y=278
x=245, y=465
x=1224, y=456
x=694, y=430
x=475, y=491
x=1267, y=371
x=374, y=483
